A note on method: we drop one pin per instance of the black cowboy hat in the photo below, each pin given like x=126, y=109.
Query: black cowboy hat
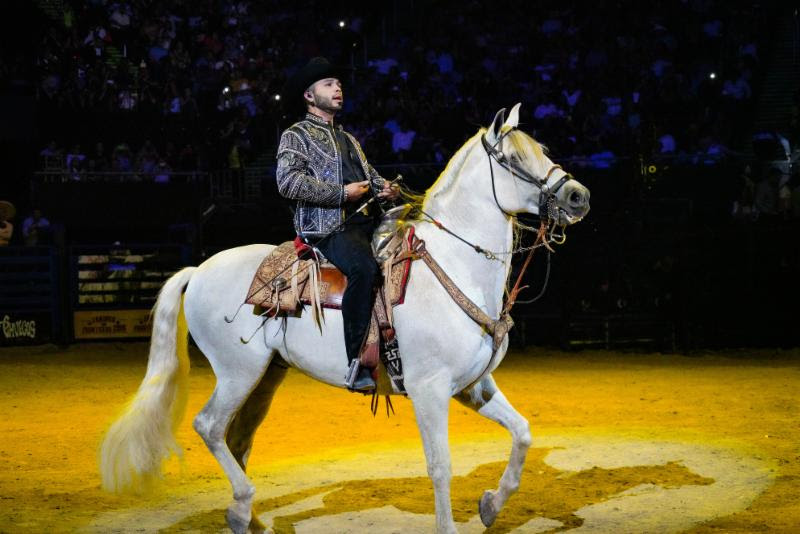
x=316, y=69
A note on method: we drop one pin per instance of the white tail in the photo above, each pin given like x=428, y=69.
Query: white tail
x=136, y=445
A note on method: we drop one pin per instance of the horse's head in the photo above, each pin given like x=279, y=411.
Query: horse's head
x=525, y=180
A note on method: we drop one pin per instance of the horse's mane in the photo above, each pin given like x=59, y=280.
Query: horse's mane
x=525, y=146
x=447, y=176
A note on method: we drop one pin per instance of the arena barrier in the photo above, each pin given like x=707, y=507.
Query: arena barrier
x=30, y=296
x=113, y=288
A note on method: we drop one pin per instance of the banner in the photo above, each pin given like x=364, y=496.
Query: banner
x=24, y=328
x=106, y=324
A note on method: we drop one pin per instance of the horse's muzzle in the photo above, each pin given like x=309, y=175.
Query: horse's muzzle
x=575, y=204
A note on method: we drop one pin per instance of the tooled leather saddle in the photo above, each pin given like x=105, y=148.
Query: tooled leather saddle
x=293, y=277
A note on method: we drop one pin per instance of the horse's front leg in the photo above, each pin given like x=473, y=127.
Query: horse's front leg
x=431, y=398
x=485, y=398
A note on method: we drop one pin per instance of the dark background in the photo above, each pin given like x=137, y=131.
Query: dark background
x=684, y=248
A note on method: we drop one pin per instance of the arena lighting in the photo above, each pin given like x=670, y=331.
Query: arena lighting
x=712, y=76
x=226, y=90
x=342, y=24
x=277, y=97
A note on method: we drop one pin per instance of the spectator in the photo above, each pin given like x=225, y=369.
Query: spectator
x=547, y=110
x=99, y=162
x=147, y=160
x=75, y=155
x=121, y=160
x=187, y=159
x=785, y=187
x=738, y=89
x=76, y=163
x=51, y=157
x=126, y=100
x=601, y=158
x=120, y=15
x=666, y=144
x=766, y=195
x=189, y=105
x=572, y=95
x=403, y=138
x=162, y=173
x=35, y=229
x=743, y=207
x=383, y=66
x=794, y=185
x=235, y=159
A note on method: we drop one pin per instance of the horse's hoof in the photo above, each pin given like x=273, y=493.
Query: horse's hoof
x=486, y=508
x=237, y=523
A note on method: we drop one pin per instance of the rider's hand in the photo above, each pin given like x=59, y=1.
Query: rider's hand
x=389, y=191
x=355, y=190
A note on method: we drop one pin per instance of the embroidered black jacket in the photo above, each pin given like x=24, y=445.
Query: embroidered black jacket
x=310, y=172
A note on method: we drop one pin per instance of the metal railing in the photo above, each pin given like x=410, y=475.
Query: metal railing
x=63, y=176
x=237, y=186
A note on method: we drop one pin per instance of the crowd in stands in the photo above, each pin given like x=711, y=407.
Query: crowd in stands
x=196, y=84
x=35, y=227
x=670, y=78
x=770, y=196
x=121, y=163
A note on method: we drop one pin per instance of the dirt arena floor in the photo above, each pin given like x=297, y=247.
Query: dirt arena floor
x=622, y=443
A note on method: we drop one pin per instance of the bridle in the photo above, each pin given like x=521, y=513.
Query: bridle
x=548, y=207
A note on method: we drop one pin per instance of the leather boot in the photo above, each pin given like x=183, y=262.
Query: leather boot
x=364, y=381
x=359, y=378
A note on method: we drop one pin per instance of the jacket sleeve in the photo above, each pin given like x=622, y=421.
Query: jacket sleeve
x=296, y=182
x=376, y=181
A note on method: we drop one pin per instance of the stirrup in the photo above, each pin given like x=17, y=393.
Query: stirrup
x=352, y=378
x=352, y=373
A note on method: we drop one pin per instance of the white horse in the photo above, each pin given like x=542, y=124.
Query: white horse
x=497, y=173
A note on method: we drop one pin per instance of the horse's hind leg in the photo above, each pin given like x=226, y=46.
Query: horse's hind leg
x=485, y=398
x=233, y=388
x=243, y=427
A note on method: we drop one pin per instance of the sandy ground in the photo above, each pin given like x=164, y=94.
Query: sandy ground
x=622, y=443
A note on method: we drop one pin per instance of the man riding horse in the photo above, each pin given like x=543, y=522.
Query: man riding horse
x=323, y=168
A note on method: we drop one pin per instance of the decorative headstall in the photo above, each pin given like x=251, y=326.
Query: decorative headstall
x=548, y=207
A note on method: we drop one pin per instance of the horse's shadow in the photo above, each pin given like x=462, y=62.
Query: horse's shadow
x=545, y=492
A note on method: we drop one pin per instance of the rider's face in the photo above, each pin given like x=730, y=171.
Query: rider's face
x=326, y=94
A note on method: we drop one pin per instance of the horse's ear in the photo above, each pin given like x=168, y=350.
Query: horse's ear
x=513, y=116
x=493, y=132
